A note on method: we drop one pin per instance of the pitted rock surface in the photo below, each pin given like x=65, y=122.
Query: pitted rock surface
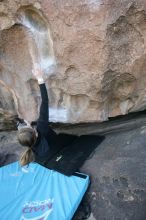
x=92, y=54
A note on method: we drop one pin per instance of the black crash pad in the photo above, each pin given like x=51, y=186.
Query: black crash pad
x=71, y=157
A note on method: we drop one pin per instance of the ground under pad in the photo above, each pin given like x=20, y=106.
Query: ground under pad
x=36, y=193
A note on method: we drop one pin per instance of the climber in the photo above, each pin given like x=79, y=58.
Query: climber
x=64, y=153
x=36, y=139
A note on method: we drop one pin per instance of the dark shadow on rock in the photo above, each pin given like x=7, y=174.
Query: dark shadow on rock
x=7, y=158
x=84, y=210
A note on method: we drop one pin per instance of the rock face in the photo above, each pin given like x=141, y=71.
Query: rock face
x=92, y=53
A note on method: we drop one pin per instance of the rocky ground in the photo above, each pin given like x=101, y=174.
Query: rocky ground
x=117, y=169
x=118, y=177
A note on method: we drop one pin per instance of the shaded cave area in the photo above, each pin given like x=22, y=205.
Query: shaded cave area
x=116, y=167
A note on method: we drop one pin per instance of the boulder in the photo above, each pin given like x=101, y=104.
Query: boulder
x=92, y=54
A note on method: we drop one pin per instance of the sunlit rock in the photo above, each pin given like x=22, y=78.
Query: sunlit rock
x=92, y=54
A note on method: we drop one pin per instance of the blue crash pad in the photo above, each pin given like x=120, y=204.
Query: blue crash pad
x=37, y=193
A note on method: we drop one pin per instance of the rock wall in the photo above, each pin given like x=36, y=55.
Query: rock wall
x=92, y=52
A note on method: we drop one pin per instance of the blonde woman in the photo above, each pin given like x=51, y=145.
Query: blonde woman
x=40, y=140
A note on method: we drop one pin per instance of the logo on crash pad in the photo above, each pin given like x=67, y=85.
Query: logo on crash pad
x=37, y=210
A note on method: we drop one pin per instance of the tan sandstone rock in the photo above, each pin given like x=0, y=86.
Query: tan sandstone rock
x=92, y=52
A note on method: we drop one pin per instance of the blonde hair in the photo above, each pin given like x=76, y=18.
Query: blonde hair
x=27, y=138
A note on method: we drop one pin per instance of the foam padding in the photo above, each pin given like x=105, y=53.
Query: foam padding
x=70, y=158
x=34, y=192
